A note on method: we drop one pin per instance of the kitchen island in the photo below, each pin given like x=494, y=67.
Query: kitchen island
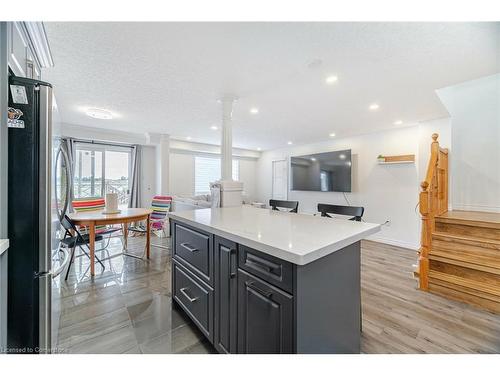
x=261, y=281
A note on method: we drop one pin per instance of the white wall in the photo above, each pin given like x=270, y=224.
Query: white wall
x=181, y=160
x=388, y=192
x=474, y=107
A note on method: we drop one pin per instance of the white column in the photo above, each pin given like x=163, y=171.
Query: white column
x=227, y=138
x=162, y=144
x=164, y=161
x=230, y=191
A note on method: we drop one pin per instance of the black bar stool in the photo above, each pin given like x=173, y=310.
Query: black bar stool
x=355, y=212
x=292, y=205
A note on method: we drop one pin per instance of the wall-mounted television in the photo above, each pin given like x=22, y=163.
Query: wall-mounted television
x=328, y=171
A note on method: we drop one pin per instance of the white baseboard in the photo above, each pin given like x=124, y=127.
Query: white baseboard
x=473, y=207
x=390, y=241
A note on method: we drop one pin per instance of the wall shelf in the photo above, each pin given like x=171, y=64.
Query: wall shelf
x=397, y=159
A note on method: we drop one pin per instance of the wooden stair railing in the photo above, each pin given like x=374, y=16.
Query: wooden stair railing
x=433, y=201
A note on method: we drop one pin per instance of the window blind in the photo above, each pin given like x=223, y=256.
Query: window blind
x=206, y=170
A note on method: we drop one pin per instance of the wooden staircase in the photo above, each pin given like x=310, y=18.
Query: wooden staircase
x=459, y=257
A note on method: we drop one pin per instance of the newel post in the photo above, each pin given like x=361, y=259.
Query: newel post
x=423, y=260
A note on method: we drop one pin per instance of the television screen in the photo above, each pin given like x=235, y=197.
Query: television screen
x=328, y=171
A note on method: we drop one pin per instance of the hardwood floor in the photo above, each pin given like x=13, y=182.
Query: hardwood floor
x=398, y=318
x=128, y=309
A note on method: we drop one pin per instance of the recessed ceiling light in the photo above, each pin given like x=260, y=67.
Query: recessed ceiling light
x=399, y=122
x=290, y=142
x=213, y=127
x=259, y=149
x=188, y=138
x=330, y=80
x=332, y=135
x=99, y=113
x=374, y=107
x=254, y=110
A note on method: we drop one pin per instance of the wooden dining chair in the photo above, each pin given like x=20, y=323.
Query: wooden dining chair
x=275, y=204
x=355, y=212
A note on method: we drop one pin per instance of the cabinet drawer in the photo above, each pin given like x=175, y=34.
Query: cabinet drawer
x=273, y=270
x=194, y=248
x=195, y=297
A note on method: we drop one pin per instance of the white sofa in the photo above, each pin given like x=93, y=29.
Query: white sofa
x=180, y=203
x=196, y=202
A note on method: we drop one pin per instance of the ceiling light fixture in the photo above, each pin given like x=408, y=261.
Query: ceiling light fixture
x=254, y=110
x=188, y=138
x=213, y=127
x=399, y=122
x=332, y=135
x=330, y=80
x=99, y=113
x=290, y=142
x=374, y=107
x=259, y=149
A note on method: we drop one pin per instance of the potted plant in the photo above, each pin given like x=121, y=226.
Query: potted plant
x=381, y=158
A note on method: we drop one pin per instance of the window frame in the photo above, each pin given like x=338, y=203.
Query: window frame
x=102, y=147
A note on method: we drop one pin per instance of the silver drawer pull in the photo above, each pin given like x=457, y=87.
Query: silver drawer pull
x=259, y=265
x=190, y=299
x=251, y=285
x=188, y=247
x=263, y=264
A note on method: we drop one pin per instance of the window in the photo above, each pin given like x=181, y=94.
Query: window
x=101, y=169
x=207, y=170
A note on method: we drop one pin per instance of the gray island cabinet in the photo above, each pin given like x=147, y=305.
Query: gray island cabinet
x=257, y=281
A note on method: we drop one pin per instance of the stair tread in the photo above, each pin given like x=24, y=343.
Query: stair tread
x=466, y=238
x=469, y=283
x=473, y=218
x=488, y=261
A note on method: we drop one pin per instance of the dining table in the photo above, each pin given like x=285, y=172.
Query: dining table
x=93, y=218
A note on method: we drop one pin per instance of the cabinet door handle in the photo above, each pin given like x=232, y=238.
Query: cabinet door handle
x=251, y=285
x=188, y=247
x=190, y=299
x=232, y=263
x=259, y=265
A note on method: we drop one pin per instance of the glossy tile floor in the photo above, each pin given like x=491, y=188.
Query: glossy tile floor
x=127, y=308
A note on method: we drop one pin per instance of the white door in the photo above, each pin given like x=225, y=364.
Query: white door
x=280, y=179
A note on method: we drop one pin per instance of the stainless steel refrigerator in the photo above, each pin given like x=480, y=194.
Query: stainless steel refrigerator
x=38, y=174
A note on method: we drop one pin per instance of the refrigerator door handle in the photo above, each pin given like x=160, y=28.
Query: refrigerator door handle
x=67, y=257
x=45, y=179
x=61, y=152
x=69, y=181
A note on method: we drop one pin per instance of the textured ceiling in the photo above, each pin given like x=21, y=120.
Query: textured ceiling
x=166, y=77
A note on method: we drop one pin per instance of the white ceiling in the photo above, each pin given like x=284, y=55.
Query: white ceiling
x=166, y=77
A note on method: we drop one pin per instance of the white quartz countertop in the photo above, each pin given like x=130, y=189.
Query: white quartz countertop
x=4, y=245
x=297, y=238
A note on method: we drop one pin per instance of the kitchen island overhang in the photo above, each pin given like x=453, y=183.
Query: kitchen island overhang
x=260, y=281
